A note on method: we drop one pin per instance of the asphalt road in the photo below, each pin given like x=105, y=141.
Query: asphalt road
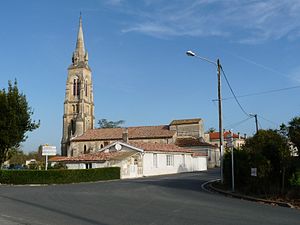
x=166, y=200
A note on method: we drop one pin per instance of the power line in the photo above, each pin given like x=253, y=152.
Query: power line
x=247, y=114
x=238, y=123
x=261, y=93
x=270, y=121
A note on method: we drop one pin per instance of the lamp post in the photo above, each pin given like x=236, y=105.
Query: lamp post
x=221, y=137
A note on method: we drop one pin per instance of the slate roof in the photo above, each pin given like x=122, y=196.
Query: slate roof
x=185, y=121
x=141, y=132
x=192, y=142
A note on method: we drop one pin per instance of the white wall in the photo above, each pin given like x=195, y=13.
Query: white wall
x=76, y=166
x=190, y=164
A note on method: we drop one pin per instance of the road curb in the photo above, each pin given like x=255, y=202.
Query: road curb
x=208, y=186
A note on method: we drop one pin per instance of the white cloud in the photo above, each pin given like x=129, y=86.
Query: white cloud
x=242, y=20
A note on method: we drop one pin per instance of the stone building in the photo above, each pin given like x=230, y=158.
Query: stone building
x=188, y=127
x=79, y=104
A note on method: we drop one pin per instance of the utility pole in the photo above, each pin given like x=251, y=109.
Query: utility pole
x=256, y=122
x=232, y=160
x=220, y=119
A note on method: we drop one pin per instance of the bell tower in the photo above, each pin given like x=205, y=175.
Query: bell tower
x=79, y=103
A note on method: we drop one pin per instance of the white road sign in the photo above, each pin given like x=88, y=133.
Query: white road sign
x=49, y=150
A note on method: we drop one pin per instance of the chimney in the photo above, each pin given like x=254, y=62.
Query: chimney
x=125, y=135
x=239, y=135
x=245, y=136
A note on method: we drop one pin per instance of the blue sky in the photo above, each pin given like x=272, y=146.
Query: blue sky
x=137, y=54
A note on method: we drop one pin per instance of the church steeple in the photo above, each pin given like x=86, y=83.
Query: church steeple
x=79, y=101
x=80, y=56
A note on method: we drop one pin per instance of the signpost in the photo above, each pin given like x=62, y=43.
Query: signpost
x=46, y=151
x=254, y=172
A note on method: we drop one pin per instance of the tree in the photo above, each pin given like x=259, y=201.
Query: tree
x=15, y=120
x=294, y=132
x=211, y=130
x=17, y=157
x=104, y=123
x=269, y=152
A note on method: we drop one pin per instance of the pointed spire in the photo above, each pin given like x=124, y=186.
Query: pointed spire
x=79, y=55
x=80, y=41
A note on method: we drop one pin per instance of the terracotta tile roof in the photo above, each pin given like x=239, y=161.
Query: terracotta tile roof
x=161, y=131
x=195, y=154
x=94, y=157
x=159, y=147
x=185, y=121
x=57, y=158
x=192, y=142
x=215, y=135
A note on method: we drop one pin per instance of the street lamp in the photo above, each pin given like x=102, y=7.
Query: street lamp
x=218, y=65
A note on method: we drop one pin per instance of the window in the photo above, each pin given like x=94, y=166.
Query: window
x=84, y=149
x=155, y=160
x=170, y=160
x=73, y=127
x=183, y=159
x=73, y=106
x=88, y=166
x=77, y=108
x=76, y=87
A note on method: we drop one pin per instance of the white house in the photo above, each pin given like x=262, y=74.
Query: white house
x=137, y=159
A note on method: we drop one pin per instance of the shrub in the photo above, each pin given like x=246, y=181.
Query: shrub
x=241, y=168
x=58, y=176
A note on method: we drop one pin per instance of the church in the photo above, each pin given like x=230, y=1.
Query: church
x=177, y=147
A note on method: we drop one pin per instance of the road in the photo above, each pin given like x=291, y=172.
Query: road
x=165, y=200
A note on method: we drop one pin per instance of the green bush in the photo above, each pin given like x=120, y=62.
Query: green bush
x=241, y=165
x=58, y=176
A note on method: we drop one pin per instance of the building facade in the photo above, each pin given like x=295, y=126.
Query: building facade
x=138, y=159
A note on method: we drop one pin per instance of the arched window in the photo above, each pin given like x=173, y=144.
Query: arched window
x=73, y=106
x=77, y=108
x=84, y=149
x=76, y=87
x=101, y=146
x=73, y=127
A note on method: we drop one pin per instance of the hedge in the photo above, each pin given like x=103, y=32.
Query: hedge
x=58, y=176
